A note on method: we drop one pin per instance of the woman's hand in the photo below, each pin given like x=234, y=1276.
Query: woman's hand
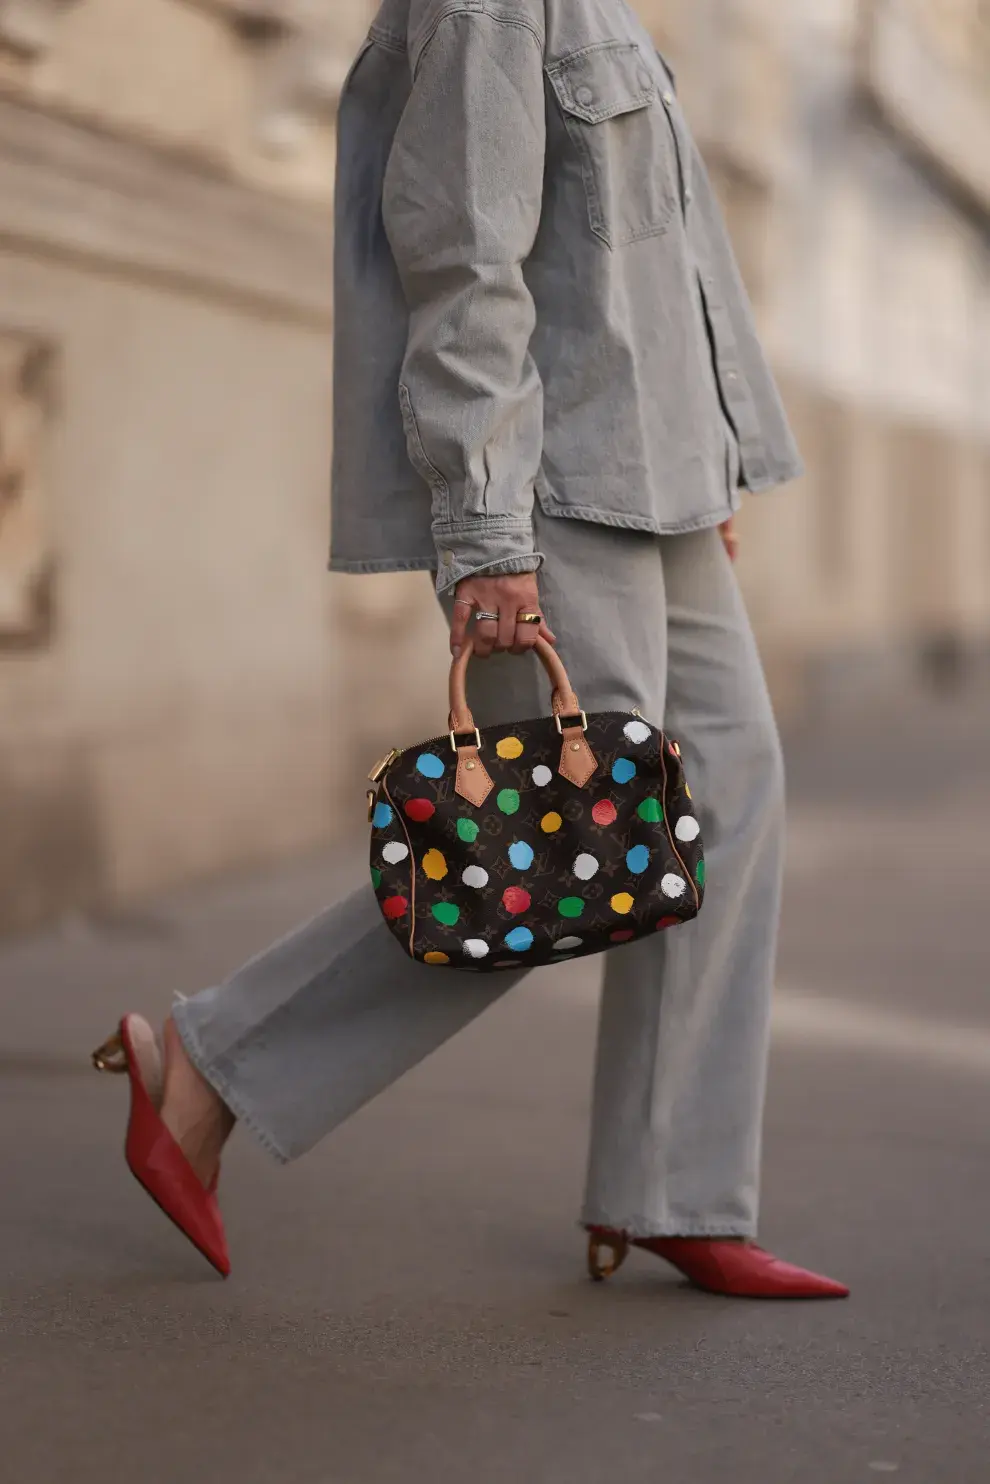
x=730, y=538
x=507, y=596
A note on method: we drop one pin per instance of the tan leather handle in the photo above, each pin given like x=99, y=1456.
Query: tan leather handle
x=565, y=702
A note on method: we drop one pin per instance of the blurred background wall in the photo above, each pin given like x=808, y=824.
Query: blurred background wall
x=182, y=688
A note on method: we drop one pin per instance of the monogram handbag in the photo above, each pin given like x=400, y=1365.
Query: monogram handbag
x=536, y=841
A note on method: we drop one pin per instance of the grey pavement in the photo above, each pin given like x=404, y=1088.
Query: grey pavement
x=408, y=1303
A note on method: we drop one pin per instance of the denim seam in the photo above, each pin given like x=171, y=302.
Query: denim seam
x=382, y=564
x=635, y=522
x=429, y=471
x=497, y=523
x=388, y=40
x=476, y=7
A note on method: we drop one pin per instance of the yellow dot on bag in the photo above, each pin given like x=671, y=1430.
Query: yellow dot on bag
x=434, y=865
x=622, y=903
x=551, y=823
x=510, y=747
x=436, y=958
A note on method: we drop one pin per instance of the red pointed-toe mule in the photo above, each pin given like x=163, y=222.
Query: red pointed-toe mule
x=153, y=1156
x=735, y=1269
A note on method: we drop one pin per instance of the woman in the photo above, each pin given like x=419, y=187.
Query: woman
x=546, y=364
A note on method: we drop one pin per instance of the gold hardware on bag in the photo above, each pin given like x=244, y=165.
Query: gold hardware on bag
x=372, y=797
x=477, y=739
x=584, y=722
x=380, y=769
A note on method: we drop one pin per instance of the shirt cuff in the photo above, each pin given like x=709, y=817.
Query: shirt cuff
x=494, y=546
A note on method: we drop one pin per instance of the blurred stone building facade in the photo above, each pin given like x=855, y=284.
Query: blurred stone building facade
x=182, y=689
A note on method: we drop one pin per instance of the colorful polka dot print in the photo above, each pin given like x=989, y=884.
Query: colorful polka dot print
x=435, y=865
x=604, y=812
x=542, y=870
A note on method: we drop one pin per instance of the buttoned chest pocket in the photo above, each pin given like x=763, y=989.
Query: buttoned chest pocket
x=611, y=103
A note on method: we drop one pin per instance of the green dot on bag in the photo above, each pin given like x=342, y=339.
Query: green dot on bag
x=650, y=812
x=508, y=801
x=467, y=831
x=446, y=912
x=700, y=873
x=570, y=906
x=376, y=877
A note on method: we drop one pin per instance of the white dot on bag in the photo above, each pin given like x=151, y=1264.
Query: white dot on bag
x=394, y=852
x=687, y=829
x=563, y=945
x=636, y=732
x=476, y=948
x=542, y=776
x=673, y=886
x=475, y=876
x=585, y=867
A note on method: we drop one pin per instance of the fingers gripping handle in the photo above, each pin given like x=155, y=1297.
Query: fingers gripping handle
x=565, y=701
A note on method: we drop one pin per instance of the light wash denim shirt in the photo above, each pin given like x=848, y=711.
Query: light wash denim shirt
x=535, y=296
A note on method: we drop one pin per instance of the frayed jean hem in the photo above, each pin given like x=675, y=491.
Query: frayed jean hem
x=638, y=1229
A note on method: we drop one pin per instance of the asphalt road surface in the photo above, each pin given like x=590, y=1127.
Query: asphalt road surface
x=408, y=1303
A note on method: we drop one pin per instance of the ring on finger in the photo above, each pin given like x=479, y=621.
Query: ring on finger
x=482, y=616
x=529, y=618
x=467, y=602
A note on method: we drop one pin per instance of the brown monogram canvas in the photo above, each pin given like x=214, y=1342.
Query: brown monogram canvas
x=543, y=870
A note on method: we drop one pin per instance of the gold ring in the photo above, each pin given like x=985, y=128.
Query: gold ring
x=529, y=618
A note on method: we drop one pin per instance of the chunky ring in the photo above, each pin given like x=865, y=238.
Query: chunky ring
x=529, y=618
x=482, y=617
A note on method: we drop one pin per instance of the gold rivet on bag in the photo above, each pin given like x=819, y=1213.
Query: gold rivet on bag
x=575, y=747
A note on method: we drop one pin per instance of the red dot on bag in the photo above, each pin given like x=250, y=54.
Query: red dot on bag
x=666, y=922
x=394, y=907
x=623, y=935
x=515, y=899
x=420, y=810
x=604, y=812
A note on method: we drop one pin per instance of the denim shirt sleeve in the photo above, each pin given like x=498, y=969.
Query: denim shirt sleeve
x=462, y=204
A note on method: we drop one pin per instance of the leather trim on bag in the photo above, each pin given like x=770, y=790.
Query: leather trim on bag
x=664, y=744
x=397, y=812
x=475, y=783
x=578, y=763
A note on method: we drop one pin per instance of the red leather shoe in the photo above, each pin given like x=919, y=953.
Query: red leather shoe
x=735, y=1269
x=153, y=1156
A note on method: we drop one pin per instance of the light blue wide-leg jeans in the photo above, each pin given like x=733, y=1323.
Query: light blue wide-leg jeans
x=328, y=1018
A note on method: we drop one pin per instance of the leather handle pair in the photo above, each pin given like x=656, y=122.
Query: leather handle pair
x=578, y=763
x=565, y=702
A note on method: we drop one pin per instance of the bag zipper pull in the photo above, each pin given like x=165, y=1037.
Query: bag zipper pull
x=381, y=768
